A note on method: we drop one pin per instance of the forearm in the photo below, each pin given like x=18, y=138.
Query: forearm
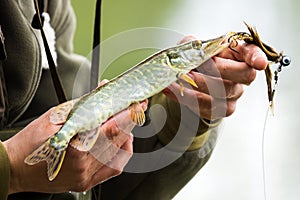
x=4, y=172
x=80, y=171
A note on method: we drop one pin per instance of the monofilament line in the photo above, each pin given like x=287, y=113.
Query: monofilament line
x=263, y=153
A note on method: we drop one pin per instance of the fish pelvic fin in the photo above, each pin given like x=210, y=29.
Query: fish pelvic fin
x=52, y=156
x=84, y=141
x=137, y=114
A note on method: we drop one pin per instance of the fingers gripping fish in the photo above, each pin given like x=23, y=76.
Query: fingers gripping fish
x=151, y=76
x=82, y=117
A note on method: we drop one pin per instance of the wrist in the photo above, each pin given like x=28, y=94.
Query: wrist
x=12, y=160
x=4, y=172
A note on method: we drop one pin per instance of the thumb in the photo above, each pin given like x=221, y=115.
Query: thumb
x=187, y=38
x=103, y=82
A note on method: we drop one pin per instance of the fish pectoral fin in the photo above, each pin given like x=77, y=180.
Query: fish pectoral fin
x=53, y=157
x=187, y=79
x=60, y=113
x=137, y=114
x=84, y=141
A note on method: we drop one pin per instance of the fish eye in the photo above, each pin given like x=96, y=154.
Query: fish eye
x=173, y=57
x=197, y=44
x=172, y=54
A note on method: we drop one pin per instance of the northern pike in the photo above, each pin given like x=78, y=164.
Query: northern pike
x=82, y=117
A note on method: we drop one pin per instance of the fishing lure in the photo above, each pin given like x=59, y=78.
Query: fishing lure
x=272, y=55
x=82, y=117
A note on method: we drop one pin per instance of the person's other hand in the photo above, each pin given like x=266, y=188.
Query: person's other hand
x=220, y=81
x=80, y=170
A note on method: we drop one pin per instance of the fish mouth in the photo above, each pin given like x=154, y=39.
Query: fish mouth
x=214, y=46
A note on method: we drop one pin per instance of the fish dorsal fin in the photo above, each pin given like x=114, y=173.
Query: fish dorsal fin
x=61, y=112
x=137, y=113
x=84, y=141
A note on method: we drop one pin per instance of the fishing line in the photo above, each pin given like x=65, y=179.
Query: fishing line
x=263, y=152
x=283, y=62
x=263, y=145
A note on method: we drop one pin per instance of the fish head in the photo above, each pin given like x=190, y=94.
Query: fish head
x=187, y=56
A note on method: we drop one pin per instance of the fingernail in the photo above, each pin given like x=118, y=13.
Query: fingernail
x=259, y=60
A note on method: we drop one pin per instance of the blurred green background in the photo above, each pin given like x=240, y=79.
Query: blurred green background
x=84, y=11
x=117, y=18
x=235, y=169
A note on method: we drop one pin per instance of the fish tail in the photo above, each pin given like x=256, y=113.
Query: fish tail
x=53, y=157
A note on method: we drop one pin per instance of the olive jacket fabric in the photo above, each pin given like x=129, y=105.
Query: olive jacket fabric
x=162, y=163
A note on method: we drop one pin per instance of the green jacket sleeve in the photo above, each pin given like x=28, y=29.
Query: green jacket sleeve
x=4, y=173
x=180, y=136
x=180, y=119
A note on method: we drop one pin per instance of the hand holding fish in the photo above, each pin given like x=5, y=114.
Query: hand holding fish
x=82, y=117
x=220, y=80
x=81, y=170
